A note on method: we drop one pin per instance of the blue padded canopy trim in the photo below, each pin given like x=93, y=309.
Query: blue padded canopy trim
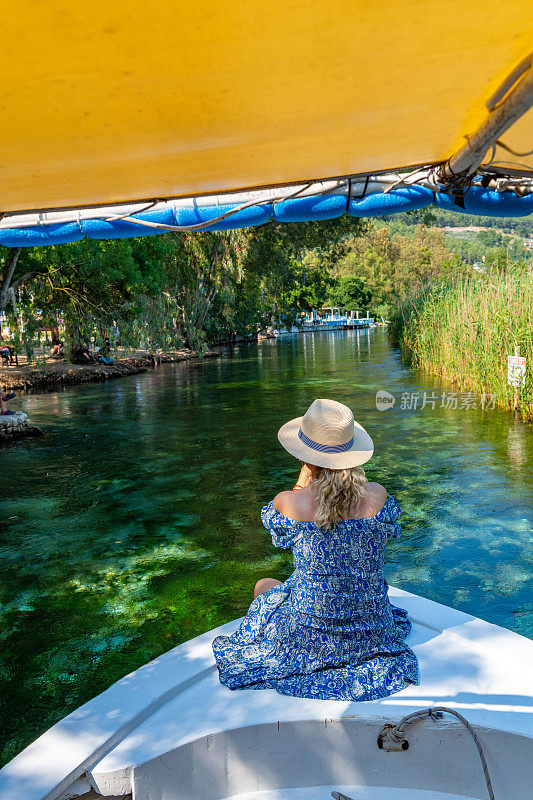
x=303, y=209
x=120, y=229
x=248, y=218
x=40, y=235
x=486, y=203
x=377, y=204
x=298, y=209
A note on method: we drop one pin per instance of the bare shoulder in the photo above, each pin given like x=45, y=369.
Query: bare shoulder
x=377, y=496
x=284, y=502
x=377, y=489
x=299, y=506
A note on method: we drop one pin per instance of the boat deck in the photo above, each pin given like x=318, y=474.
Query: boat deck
x=173, y=713
x=324, y=793
x=351, y=793
x=465, y=663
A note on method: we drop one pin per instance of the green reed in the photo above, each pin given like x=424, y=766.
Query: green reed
x=464, y=330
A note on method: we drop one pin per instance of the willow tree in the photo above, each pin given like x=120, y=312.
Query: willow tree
x=18, y=267
x=177, y=288
x=199, y=269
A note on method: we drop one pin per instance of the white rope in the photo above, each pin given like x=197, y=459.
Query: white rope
x=404, y=180
x=231, y=212
x=427, y=713
x=489, y=176
x=397, y=734
x=117, y=217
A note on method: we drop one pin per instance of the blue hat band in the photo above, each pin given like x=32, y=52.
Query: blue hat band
x=325, y=448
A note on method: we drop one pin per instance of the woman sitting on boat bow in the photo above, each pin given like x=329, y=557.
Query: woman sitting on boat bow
x=329, y=631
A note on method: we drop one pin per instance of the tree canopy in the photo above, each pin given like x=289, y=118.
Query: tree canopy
x=195, y=289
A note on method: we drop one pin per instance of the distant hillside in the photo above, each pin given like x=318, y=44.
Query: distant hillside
x=493, y=240
x=520, y=226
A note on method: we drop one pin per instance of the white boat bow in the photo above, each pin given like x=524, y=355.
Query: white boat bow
x=170, y=730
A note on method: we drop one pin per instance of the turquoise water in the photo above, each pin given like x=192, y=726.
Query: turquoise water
x=134, y=524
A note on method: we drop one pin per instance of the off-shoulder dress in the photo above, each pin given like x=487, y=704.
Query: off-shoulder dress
x=329, y=631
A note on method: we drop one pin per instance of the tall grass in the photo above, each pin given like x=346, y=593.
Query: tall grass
x=465, y=330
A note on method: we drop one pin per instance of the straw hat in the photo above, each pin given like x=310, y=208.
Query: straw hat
x=327, y=436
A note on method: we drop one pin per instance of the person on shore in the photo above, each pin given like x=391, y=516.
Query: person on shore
x=82, y=354
x=7, y=355
x=58, y=349
x=4, y=398
x=103, y=359
x=329, y=631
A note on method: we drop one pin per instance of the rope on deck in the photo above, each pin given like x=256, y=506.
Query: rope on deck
x=392, y=737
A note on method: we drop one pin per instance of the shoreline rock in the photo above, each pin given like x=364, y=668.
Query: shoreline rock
x=14, y=427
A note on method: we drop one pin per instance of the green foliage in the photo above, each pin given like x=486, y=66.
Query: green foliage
x=288, y=266
x=350, y=292
x=493, y=241
x=178, y=289
x=439, y=218
x=464, y=330
x=390, y=264
x=196, y=289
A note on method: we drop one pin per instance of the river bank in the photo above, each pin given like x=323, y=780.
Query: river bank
x=465, y=330
x=29, y=377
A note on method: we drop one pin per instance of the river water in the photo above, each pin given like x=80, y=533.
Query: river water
x=134, y=524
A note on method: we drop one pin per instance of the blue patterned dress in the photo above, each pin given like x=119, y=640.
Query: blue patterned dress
x=329, y=631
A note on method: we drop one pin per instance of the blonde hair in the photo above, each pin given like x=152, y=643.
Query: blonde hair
x=339, y=493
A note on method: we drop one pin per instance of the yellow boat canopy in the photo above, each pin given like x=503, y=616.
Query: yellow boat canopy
x=112, y=101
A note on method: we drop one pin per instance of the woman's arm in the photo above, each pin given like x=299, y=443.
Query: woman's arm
x=295, y=504
x=305, y=477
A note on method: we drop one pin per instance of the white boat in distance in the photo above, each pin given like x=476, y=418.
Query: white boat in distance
x=171, y=731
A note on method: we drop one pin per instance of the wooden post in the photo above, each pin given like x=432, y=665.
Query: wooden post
x=516, y=400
